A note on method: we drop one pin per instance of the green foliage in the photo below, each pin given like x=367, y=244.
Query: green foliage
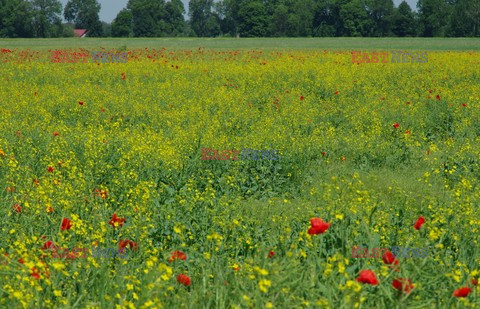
x=404, y=21
x=122, y=24
x=253, y=19
x=84, y=14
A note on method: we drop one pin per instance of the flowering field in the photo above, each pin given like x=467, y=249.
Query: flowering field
x=370, y=155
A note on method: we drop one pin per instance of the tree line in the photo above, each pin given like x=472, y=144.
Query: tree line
x=244, y=18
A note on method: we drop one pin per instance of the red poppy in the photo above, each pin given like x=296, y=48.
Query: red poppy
x=116, y=219
x=21, y=261
x=237, y=268
x=344, y=158
x=81, y=102
x=50, y=209
x=318, y=226
x=474, y=281
x=462, y=292
x=419, y=223
x=301, y=98
x=55, y=133
x=124, y=243
x=464, y=105
x=183, y=279
x=367, y=276
x=271, y=254
x=396, y=125
x=17, y=208
x=50, y=169
x=389, y=258
x=35, y=273
x=36, y=182
x=400, y=283
x=336, y=92
x=66, y=224
x=430, y=90
x=48, y=245
x=323, y=153
x=177, y=255
x=408, y=132
x=438, y=97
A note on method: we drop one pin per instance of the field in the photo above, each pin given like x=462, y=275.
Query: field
x=368, y=148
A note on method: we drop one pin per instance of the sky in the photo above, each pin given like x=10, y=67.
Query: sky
x=110, y=8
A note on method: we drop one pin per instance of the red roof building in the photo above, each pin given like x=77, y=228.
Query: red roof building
x=80, y=33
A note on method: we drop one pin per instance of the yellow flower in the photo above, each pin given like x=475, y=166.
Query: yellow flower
x=268, y=305
x=264, y=284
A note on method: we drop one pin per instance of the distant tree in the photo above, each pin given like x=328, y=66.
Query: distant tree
x=68, y=30
x=382, y=13
x=227, y=11
x=148, y=18
x=356, y=20
x=16, y=19
x=300, y=17
x=47, y=20
x=122, y=24
x=84, y=14
x=403, y=21
x=174, y=18
x=433, y=17
x=202, y=19
x=253, y=20
x=106, y=29
x=280, y=20
x=465, y=19
x=326, y=19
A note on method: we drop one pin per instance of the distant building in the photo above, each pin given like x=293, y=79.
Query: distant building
x=80, y=33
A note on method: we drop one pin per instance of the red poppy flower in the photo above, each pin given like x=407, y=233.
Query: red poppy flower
x=323, y=153
x=21, y=261
x=438, y=97
x=81, y=102
x=177, y=255
x=336, y=92
x=301, y=98
x=462, y=292
x=50, y=209
x=36, y=182
x=35, y=273
x=271, y=254
x=430, y=90
x=116, y=219
x=66, y=224
x=396, y=125
x=344, y=158
x=48, y=245
x=367, y=276
x=474, y=281
x=408, y=132
x=419, y=223
x=464, y=105
x=50, y=169
x=183, y=279
x=318, y=226
x=403, y=284
x=124, y=243
x=17, y=208
x=55, y=133
x=389, y=258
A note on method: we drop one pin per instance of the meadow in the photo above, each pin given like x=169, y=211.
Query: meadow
x=110, y=155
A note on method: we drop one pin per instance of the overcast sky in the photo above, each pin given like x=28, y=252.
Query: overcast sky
x=110, y=8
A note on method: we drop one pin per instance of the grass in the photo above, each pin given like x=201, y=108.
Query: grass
x=430, y=44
